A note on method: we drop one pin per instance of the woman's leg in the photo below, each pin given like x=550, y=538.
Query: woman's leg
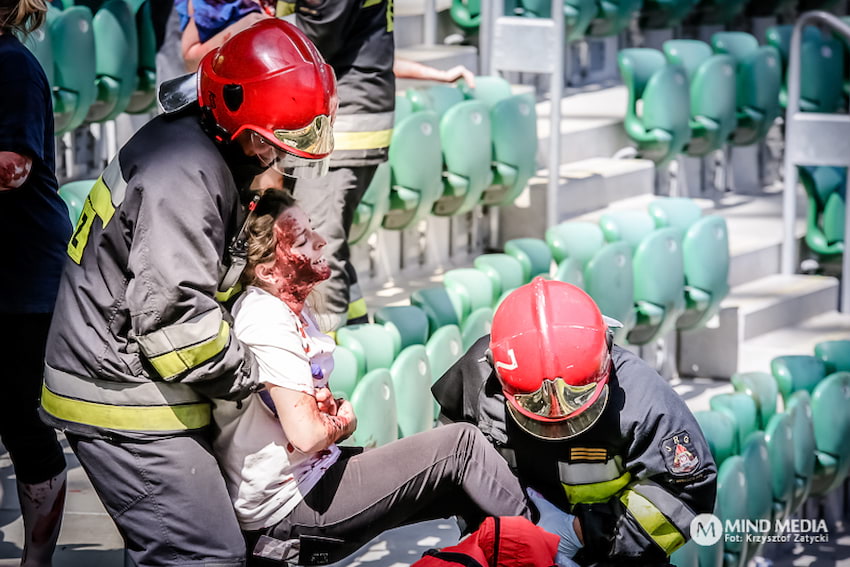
x=446, y=471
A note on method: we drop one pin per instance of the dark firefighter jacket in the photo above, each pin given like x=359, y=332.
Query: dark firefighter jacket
x=635, y=479
x=139, y=342
x=356, y=39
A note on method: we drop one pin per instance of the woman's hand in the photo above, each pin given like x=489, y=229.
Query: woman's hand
x=325, y=401
x=307, y=427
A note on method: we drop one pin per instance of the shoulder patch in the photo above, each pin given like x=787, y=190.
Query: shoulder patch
x=679, y=454
x=588, y=454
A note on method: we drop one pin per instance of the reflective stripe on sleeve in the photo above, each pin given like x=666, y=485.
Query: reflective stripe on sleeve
x=589, y=473
x=597, y=491
x=363, y=131
x=662, y=516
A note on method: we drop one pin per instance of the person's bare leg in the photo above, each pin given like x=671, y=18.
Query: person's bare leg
x=41, y=508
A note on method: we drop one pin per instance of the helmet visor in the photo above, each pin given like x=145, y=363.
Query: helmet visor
x=315, y=138
x=564, y=428
x=284, y=162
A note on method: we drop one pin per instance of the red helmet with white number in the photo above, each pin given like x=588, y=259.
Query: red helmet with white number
x=549, y=347
x=270, y=80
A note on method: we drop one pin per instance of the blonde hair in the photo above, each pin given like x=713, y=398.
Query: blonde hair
x=22, y=16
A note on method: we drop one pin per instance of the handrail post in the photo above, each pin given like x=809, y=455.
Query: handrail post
x=429, y=23
x=556, y=92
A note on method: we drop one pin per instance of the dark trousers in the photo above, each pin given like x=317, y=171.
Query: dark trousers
x=446, y=471
x=35, y=452
x=168, y=499
x=330, y=202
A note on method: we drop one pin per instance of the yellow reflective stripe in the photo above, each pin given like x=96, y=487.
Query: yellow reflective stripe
x=223, y=296
x=597, y=491
x=370, y=3
x=127, y=418
x=357, y=309
x=98, y=203
x=362, y=140
x=653, y=522
x=172, y=363
x=284, y=8
x=390, y=16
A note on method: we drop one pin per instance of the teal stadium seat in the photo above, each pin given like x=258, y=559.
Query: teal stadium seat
x=609, y=280
x=743, y=411
x=758, y=79
x=802, y=423
x=759, y=493
x=762, y=388
x=344, y=378
x=720, y=433
x=712, y=92
x=74, y=72
x=412, y=380
x=374, y=405
x=835, y=355
x=830, y=403
x=826, y=189
x=475, y=291
x=797, y=372
x=466, y=14
x=505, y=272
x=686, y=556
x=372, y=345
x=441, y=307
x=74, y=193
x=415, y=159
x=578, y=15
x=143, y=98
x=661, y=127
x=439, y=98
x=678, y=212
x=573, y=244
x=40, y=43
x=410, y=324
x=533, y=254
x=732, y=501
x=613, y=17
x=375, y=203
x=116, y=59
x=444, y=348
x=664, y=14
x=779, y=436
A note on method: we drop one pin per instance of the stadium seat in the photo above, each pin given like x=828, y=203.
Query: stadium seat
x=403, y=108
x=533, y=254
x=762, y=388
x=575, y=240
x=374, y=405
x=826, y=189
x=372, y=207
x=439, y=98
x=758, y=79
x=441, y=307
x=835, y=355
x=411, y=376
x=467, y=157
x=345, y=374
x=489, y=89
x=678, y=212
x=513, y=129
x=505, y=272
x=410, y=324
x=800, y=409
x=444, y=348
x=712, y=91
x=116, y=59
x=609, y=280
x=686, y=556
x=74, y=193
x=372, y=345
x=476, y=326
x=143, y=98
x=742, y=409
x=797, y=372
x=613, y=17
x=780, y=447
x=821, y=68
x=473, y=287
x=830, y=403
x=466, y=14
x=415, y=158
x=40, y=43
x=578, y=14
x=720, y=433
x=664, y=14
x=732, y=500
x=629, y=226
x=74, y=71
x=661, y=128
x=759, y=493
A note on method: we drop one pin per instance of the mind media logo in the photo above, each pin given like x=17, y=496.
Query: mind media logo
x=706, y=529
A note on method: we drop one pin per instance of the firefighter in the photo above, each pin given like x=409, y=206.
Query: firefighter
x=140, y=345
x=615, y=461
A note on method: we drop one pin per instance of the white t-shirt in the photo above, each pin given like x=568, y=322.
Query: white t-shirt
x=266, y=476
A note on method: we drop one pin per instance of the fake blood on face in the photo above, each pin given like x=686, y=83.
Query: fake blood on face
x=299, y=273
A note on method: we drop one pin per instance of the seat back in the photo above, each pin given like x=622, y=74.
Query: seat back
x=374, y=405
x=742, y=409
x=706, y=257
x=374, y=204
x=780, y=446
x=830, y=401
x=713, y=96
x=74, y=57
x=345, y=374
x=797, y=372
x=372, y=345
x=762, y=388
x=411, y=376
x=609, y=280
x=533, y=255
x=825, y=187
x=490, y=89
x=720, y=433
x=575, y=239
x=40, y=43
x=74, y=193
x=835, y=355
x=466, y=14
x=409, y=321
x=476, y=325
x=438, y=307
x=732, y=491
x=689, y=53
x=505, y=272
x=629, y=226
x=759, y=493
x=678, y=212
x=116, y=59
x=513, y=128
x=444, y=348
x=613, y=17
x=143, y=98
x=735, y=43
x=800, y=409
x=439, y=98
x=473, y=287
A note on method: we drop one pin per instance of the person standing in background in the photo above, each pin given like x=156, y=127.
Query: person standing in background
x=35, y=227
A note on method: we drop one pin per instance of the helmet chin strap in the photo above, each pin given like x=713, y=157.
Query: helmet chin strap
x=237, y=252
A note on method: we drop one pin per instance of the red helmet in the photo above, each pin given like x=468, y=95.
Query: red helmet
x=270, y=80
x=549, y=347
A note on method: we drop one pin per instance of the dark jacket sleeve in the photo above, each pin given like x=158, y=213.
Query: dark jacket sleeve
x=183, y=333
x=673, y=477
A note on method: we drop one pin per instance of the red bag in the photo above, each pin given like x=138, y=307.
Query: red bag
x=498, y=542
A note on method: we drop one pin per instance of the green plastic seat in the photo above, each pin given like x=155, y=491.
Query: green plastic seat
x=444, y=348
x=116, y=59
x=720, y=433
x=412, y=380
x=795, y=372
x=663, y=14
x=762, y=388
x=74, y=72
x=439, y=306
x=732, y=500
x=473, y=287
x=74, y=193
x=513, y=129
x=372, y=345
x=629, y=226
x=143, y=98
x=467, y=156
x=575, y=239
x=415, y=159
x=466, y=14
x=759, y=493
x=830, y=402
x=344, y=378
x=403, y=108
x=826, y=189
x=505, y=272
x=533, y=254
x=821, y=68
x=439, y=98
x=40, y=43
x=779, y=436
x=802, y=423
x=476, y=325
x=835, y=355
x=578, y=15
x=742, y=409
x=758, y=81
x=686, y=556
x=409, y=322
x=609, y=279
x=705, y=251
x=613, y=17
x=712, y=93
x=678, y=212
x=372, y=207
x=489, y=89
x=374, y=405
x=661, y=129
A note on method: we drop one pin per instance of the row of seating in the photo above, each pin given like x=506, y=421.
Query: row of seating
x=452, y=148
x=802, y=451
x=99, y=60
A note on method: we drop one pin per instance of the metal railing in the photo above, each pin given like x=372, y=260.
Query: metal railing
x=812, y=138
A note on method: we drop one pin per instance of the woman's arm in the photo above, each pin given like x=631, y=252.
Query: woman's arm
x=308, y=429
x=194, y=50
x=14, y=170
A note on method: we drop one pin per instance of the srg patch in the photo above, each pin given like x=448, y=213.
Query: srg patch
x=680, y=456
